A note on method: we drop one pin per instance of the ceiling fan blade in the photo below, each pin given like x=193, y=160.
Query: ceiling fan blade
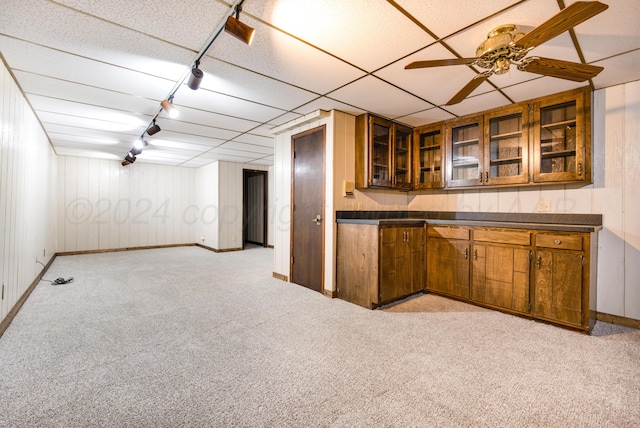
x=439, y=63
x=562, y=69
x=564, y=20
x=469, y=87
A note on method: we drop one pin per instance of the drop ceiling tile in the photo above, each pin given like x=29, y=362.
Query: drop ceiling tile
x=58, y=138
x=617, y=70
x=539, y=87
x=615, y=30
x=194, y=116
x=425, y=117
x=196, y=130
x=328, y=24
x=427, y=83
x=224, y=104
x=178, y=144
x=267, y=160
x=72, y=151
x=328, y=104
x=227, y=79
x=58, y=65
x=77, y=33
x=184, y=23
x=283, y=118
x=285, y=58
x=379, y=98
x=444, y=17
x=216, y=155
x=196, y=162
x=478, y=103
x=256, y=140
x=249, y=148
x=114, y=123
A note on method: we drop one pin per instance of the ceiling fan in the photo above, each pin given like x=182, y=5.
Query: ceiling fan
x=507, y=45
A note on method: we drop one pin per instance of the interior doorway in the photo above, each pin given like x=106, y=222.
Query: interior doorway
x=254, y=207
x=307, y=237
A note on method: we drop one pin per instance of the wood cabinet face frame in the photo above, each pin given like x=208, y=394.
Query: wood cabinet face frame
x=429, y=157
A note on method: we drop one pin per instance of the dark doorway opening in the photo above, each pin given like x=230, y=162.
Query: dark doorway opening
x=254, y=203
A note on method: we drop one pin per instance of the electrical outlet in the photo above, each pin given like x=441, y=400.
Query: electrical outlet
x=544, y=206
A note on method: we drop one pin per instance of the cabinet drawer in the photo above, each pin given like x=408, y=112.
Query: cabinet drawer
x=448, y=232
x=564, y=242
x=503, y=236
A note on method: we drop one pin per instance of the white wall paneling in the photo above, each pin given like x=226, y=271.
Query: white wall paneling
x=27, y=195
x=107, y=206
x=218, y=207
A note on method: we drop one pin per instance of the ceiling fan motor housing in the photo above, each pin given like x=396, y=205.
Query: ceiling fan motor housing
x=500, y=48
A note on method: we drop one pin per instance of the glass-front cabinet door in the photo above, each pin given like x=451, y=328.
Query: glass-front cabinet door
x=506, y=147
x=380, y=150
x=428, y=157
x=464, y=150
x=559, y=147
x=401, y=157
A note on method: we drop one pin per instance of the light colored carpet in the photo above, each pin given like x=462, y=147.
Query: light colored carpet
x=187, y=337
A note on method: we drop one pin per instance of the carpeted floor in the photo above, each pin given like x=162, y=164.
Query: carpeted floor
x=188, y=337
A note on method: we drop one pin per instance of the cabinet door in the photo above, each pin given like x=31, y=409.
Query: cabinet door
x=401, y=160
x=416, y=244
x=448, y=266
x=501, y=276
x=560, y=139
x=428, y=157
x=464, y=152
x=506, y=147
x=558, y=279
x=380, y=132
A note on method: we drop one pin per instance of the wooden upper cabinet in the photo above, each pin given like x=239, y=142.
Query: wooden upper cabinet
x=506, y=149
x=562, y=138
x=465, y=144
x=383, y=153
x=428, y=157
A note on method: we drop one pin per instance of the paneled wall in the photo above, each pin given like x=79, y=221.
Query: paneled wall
x=27, y=195
x=103, y=205
x=219, y=204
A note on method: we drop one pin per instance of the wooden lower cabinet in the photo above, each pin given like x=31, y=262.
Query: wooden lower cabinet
x=448, y=260
x=542, y=274
x=377, y=263
x=561, y=277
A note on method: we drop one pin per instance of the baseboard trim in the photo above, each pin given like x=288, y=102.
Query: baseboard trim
x=113, y=250
x=281, y=277
x=618, y=320
x=216, y=250
x=330, y=293
x=4, y=324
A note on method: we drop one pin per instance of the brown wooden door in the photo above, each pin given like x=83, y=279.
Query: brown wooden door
x=307, y=209
x=448, y=266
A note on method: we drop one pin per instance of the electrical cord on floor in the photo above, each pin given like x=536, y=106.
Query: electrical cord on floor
x=59, y=281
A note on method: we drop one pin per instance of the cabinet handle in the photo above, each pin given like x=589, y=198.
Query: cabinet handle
x=466, y=253
x=475, y=254
x=480, y=176
x=539, y=262
x=486, y=177
x=580, y=168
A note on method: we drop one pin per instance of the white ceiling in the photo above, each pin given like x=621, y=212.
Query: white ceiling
x=96, y=71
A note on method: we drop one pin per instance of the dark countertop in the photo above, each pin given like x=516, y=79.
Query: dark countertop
x=539, y=221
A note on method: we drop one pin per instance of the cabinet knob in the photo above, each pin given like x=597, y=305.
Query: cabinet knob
x=466, y=253
x=539, y=262
x=475, y=254
x=557, y=241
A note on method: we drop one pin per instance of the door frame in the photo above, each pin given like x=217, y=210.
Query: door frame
x=323, y=130
x=246, y=173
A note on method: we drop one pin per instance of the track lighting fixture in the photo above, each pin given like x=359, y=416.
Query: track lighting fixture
x=140, y=143
x=238, y=29
x=125, y=162
x=129, y=158
x=167, y=105
x=195, y=77
x=153, y=129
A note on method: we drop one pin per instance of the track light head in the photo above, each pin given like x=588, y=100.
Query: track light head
x=195, y=77
x=125, y=162
x=129, y=158
x=153, y=129
x=167, y=105
x=140, y=143
x=239, y=30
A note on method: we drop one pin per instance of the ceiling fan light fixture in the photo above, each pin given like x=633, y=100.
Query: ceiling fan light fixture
x=239, y=30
